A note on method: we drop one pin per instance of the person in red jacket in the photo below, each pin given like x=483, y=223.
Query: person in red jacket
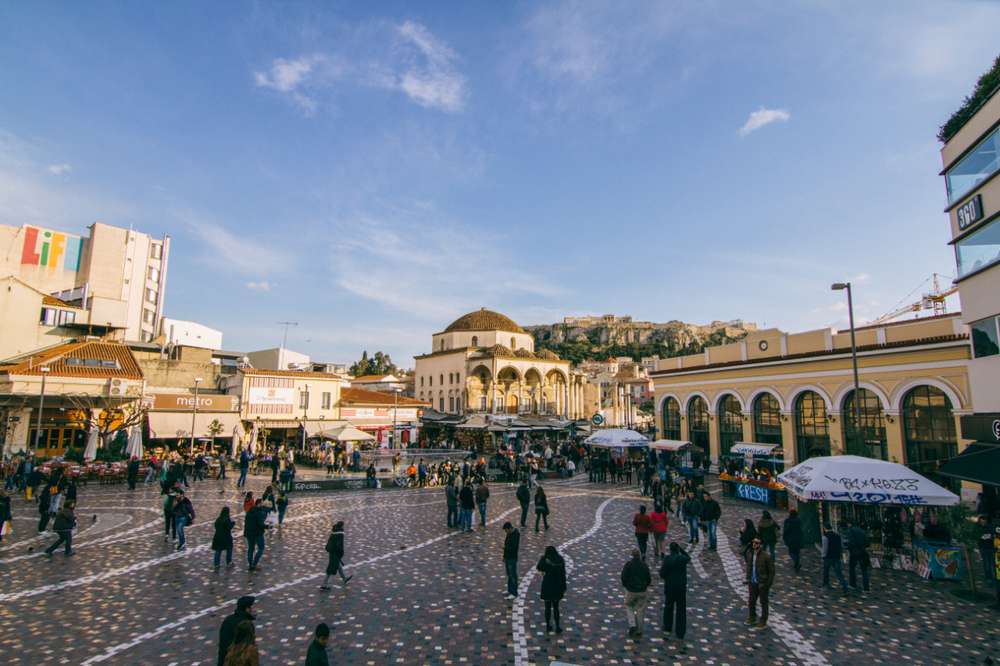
x=659, y=521
x=643, y=526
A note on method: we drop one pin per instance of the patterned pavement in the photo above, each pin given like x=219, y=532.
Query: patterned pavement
x=424, y=594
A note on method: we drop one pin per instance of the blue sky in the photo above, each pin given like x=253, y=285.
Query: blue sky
x=373, y=171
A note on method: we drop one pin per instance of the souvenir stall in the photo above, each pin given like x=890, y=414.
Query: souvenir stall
x=749, y=472
x=618, y=441
x=897, y=507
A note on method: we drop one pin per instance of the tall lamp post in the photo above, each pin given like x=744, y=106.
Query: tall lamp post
x=41, y=405
x=395, y=408
x=194, y=411
x=839, y=286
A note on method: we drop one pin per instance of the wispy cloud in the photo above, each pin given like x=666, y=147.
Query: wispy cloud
x=236, y=252
x=59, y=169
x=262, y=285
x=406, y=58
x=763, y=117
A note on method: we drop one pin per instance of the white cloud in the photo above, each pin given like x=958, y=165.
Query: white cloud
x=435, y=82
x=59, y=169
x=292, y=77
x=239, y=253
x=763, y=117
x=263, y=285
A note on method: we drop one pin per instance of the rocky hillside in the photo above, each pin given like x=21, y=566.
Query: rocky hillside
x=597, y=338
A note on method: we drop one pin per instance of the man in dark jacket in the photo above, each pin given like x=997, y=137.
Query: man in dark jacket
x=64, y=523
x=791, y=534
x=467, y=500
x=244, y=468
x=183, y=516
x=692, y=514
x=710, y=514
x=44, y=499
x=524, y=499
x=228, y=628
x=833, y=551
x=253, y=532
x=511, y=545
x=857, y=555
x=673, y=571
x=636, y=579
x=451, y=496
x=316, y=656
x=132, y=473
x=760, y=577
x=482, y=497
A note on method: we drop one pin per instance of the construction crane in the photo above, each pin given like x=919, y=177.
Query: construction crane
x=932, y=300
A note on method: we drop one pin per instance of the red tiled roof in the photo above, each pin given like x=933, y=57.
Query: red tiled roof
x=55, y=359
x=356, y=396
x=369, y=378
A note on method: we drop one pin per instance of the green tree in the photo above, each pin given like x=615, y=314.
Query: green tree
x=378, y=364
x=988, y=84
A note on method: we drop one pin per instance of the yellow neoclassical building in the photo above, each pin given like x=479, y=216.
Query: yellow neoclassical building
x=797, y=391
x=485, y=362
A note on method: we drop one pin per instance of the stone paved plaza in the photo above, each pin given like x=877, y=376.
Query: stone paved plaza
x=424, y=594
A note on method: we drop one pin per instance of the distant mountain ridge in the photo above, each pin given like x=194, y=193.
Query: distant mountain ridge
x=597, y=338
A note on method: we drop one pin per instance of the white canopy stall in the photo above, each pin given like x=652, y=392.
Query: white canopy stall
x=617, y=438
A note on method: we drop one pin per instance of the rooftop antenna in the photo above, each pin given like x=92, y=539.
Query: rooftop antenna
x=286, y=324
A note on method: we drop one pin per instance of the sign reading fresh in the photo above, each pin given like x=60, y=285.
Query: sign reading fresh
x=51, y=249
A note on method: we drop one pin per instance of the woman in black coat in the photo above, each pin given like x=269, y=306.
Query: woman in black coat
x=541, y=508
x=222, y=540
x=335, y=547
x=553, y=568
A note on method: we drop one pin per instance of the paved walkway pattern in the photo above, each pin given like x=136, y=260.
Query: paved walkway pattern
x=423, y=594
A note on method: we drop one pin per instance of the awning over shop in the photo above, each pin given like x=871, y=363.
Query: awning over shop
x=753, y=449
x=346, y=433
x=669, y=445
x=314, y=428
x=979, y=462
x=617, y=438
x=177, y=425
x=863, y=481
x=474, y=422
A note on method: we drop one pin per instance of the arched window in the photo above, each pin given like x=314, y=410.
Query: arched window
x=442, y=379
x=698, y=423
x=475, y=340
x=929, y=430
x=868, y=439
x=730, y=423
x=812, y=436
x=513, y=343
x=421, y=380
x=671, y=419
x=766, y=420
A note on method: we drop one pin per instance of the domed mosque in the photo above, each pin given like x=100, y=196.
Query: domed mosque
x=485, y=362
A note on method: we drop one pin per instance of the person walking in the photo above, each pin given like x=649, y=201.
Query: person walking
x=524, y=499
x=227, y=632
x=6, y=517
x=987, y=551
x=857, y=555
x=451, y=497
x=659, y=522
x=553, y=569
x=254, y=526
x=335, y=548
x=791, y=534
x=282, y=505
x=63, y=526
x=643, y=526
x=833, y=551
x=222, y=539
x=244, y=468
x=747, y=534
x=467, y=501
x=767, y=529
x=44, y=500
x=243, y=651
x=221, y=475
x=316, y=655
x=760, y=577
x=710, y=514
x=692, y=514
x=511, y=545
x=482, y=497
x=636, y=579
x=541, y=507
x=169, y=527
x=673, y=571
x=183, y=516
x=132, y=473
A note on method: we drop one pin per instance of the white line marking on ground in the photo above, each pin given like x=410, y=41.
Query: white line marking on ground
x=736, y=573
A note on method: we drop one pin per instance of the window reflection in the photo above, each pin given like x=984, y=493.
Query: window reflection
x=974, y=168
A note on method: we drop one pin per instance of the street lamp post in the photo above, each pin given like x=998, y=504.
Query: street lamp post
x=395, y=408
x=194, y=411
x=838, y=286
x=41, y=405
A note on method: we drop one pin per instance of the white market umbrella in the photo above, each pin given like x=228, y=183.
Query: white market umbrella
x=90, y=452
x=237, y=440
x=346, y=433
x=669, y=445
x=134, y=448
x=617, y=438
x=863, y=481
x=253, y=440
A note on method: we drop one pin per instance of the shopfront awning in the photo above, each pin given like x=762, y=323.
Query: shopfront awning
x=617, y=438
x=669, y=445
x=177, y=425
x=979, y=462
x=753, y=449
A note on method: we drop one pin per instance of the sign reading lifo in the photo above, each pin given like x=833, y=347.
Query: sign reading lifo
x=597, y=419
x=753, y=493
